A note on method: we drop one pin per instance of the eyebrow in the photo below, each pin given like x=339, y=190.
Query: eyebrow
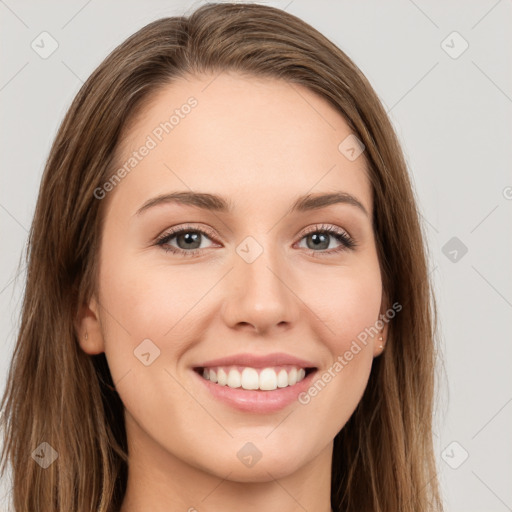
x=220, y=204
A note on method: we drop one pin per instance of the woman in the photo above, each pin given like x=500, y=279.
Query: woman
x=285, y=360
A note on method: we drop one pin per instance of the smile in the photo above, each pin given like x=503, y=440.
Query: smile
x=263, y=379
x=271, y=388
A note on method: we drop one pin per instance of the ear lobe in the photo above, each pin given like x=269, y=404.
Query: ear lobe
x=88, y=328
x=380, y=344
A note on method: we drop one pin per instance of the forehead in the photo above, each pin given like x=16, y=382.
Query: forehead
x=245, y=136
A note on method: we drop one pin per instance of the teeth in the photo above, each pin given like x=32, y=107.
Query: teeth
x=267, y=379
x=222, y=378
x=282, y=379
x=234, y=379
x=249, y=379
x=292, y=377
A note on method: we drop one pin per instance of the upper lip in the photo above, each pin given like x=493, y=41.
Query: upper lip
x=257, y=361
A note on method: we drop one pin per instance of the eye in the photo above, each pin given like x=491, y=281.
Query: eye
x=187, y=238
x=318, y=238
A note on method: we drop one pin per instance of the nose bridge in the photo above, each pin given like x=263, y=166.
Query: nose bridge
x=259, y=292
x=258, y=266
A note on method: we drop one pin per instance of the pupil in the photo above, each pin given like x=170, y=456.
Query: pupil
x=317, y=241
x=191, y=238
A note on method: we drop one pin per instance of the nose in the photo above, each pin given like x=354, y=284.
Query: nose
x=260, y=296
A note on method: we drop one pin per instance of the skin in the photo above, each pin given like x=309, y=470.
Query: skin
x=261, y=143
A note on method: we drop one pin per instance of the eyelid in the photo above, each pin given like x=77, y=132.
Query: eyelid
x=323, y=227
x=341, y=235
x=184, y=228
x=209, y=231
x=347, y=242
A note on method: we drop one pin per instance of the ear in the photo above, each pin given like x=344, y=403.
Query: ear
x=377, y=350
x=88, y=328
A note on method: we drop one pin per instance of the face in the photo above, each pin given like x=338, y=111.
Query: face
x=257, y=277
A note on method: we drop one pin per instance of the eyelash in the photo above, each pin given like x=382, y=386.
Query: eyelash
x=347, y=243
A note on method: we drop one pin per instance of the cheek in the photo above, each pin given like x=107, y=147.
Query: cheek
x=145, y=322
x=149, y=322
x=150, y=301
x=349, y=308
x=348, y=303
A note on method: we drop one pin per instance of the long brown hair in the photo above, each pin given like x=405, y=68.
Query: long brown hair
x=56, y=394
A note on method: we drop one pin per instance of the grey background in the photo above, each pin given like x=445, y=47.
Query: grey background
x=453, y=117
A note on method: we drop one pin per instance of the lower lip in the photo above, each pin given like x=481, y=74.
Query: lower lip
x=257, y=401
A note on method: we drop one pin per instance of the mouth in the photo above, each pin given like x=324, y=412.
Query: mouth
x=255, y=379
